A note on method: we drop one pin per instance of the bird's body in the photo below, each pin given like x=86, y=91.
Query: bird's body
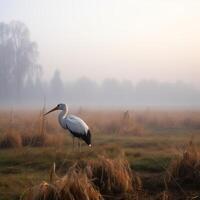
x=76, y=126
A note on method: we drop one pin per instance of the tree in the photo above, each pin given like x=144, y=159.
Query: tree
x=56, y=87
x=18, y=59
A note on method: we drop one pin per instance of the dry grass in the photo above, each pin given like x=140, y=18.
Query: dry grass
x=24, y=128
x=118, y=123
x=10, y=140
x=111, y=175
x=169, y=118
x=94, y=179
x=129, y=126
x=185, y=169
x=76, y=185
x=73, y=186
x=29, y=130
x=16, y=139
x=43, y=191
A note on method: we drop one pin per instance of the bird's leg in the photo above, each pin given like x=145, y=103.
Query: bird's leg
x=73, y=142
x=78, y=144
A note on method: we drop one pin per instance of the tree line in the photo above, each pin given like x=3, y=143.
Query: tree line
x=21, y=82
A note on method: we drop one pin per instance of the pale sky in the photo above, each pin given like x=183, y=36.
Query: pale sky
x=122, y=39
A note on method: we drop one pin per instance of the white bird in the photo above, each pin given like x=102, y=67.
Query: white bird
x=76, y=126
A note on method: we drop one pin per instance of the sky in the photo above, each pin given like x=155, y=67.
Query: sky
x=121, y=39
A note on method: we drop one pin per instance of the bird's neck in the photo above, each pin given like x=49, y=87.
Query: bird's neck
x=61, y=118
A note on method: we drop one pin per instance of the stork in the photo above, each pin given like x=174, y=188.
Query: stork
x=76, y=126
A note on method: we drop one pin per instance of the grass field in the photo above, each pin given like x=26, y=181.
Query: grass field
x=154, y=142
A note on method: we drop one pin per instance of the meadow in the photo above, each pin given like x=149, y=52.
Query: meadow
x=135, y=154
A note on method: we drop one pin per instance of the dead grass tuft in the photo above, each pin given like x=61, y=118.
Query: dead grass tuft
x=10, y=140
x=92, y=180
x=76, y=185
x=111, y=176
x=43, y=191
x=185, y=169
x=29, y=132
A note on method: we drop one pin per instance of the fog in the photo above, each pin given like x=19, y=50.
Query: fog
x=125, y=40
x=22, y=82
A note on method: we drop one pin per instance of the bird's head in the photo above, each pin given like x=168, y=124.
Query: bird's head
x=87, y=139
x=60, y=106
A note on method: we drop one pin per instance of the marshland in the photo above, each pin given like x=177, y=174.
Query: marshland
x=137, y=154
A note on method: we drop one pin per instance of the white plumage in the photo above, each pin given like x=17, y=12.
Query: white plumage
x=77, y=127
x=76, y=124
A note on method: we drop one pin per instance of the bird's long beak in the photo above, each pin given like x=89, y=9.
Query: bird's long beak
x=56, y=108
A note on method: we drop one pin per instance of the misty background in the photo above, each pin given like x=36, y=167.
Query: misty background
x=21, y=81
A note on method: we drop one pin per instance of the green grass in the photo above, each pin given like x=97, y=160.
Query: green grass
x=152, y=164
